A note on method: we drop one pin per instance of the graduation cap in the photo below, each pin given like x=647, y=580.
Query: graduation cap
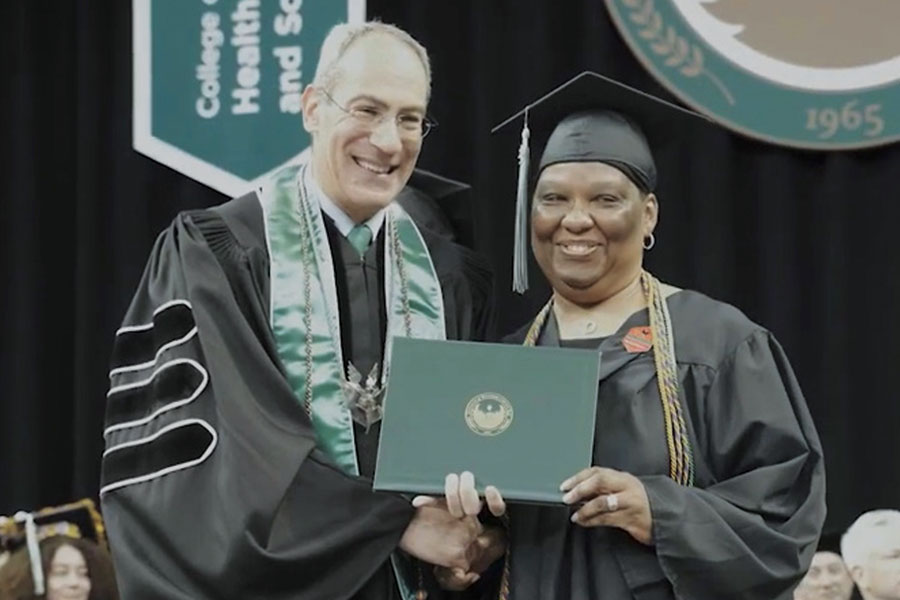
x=591, y=118
x=439, y=204
x=79, y=519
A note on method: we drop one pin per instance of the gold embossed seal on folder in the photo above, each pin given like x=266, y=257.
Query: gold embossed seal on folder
x=489, y=413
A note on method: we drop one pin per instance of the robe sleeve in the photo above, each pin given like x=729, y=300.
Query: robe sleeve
x=212, y=485
x=752, y=532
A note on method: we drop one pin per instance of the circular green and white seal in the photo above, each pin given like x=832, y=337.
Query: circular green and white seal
x=488, y=414
x=817, y=74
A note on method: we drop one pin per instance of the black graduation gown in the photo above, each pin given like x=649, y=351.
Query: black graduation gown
x=225, y=494
x=746, y=530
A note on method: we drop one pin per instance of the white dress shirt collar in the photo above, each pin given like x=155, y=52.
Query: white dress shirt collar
x=342, y=220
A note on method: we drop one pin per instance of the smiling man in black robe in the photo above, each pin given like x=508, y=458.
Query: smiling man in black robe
x=243, y=416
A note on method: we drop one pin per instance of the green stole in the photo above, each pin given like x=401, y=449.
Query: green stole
x=304, y=310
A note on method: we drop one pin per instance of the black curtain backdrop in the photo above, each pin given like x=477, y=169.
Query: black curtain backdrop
x=805, y=243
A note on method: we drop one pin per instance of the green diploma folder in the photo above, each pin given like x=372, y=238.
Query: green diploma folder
x=519, y=418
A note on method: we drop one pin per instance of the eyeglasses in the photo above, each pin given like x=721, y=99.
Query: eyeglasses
x=409, y=126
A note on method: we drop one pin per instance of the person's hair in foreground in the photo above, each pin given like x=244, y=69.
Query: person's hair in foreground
x=66, y=574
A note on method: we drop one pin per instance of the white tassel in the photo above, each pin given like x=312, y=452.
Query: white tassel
x=520, y=244
x=34, y=551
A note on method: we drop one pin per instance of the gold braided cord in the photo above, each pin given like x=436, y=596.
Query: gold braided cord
x=681, y=463
x=651, y=294
x=538, y=325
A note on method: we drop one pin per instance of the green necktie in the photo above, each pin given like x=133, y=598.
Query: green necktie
x=360, y=237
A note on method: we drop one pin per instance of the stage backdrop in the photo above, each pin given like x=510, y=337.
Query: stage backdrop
x=803, y=242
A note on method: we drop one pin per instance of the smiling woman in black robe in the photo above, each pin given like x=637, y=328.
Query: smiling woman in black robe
x=708, y=480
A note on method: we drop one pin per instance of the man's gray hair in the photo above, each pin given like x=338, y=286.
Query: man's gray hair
x=872, y=531
x=342, y=36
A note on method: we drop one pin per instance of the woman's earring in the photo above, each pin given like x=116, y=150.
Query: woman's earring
x=649, y=241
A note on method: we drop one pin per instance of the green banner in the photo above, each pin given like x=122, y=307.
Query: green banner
x=217, y=83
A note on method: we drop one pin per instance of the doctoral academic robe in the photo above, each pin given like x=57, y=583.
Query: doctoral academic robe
x=220, y=491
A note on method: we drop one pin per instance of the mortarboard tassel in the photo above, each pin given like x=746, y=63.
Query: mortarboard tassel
x=34, y=551
x=520, y=246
